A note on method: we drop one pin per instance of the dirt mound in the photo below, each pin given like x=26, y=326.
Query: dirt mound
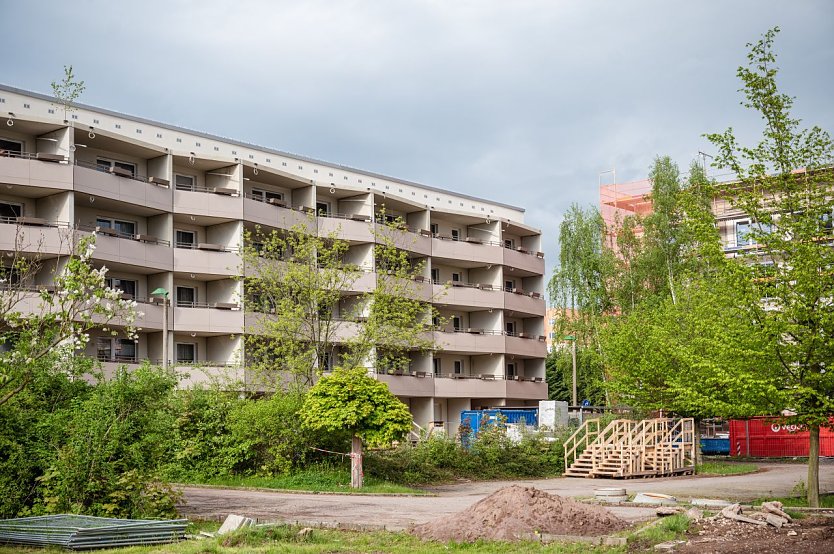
x=516, y=512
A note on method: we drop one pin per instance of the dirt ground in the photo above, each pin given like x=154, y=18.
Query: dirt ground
x=814, y=535
x=397, y=513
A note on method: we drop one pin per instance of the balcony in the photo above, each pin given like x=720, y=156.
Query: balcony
x=206, y=259
x=152, y=193
x=228, y=376
x=533, y=346
x=409, y=384
x=489, y=386
x=470, y=250
x=405, y=239
x=522, y=302
x=212, y=202
x=273, y=214
x=138, y=250
x=32, y=234
x=217, y=318
x=471, y=341
x=523, y=259
x=36, y=170
x=353, y=228
x=468, y=295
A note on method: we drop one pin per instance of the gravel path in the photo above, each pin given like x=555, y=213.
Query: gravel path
x=398, y=512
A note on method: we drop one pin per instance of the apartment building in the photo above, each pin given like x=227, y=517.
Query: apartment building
x=169, y=208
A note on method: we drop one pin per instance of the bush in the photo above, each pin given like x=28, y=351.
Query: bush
x=115, y=439
x=491, y=455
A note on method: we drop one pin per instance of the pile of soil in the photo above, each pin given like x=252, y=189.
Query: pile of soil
x=517, y=512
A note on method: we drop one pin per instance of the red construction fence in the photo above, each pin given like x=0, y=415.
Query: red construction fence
x=766, y=437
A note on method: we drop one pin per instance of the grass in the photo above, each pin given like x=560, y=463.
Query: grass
x=313, y=479
x=725, y=468
x=282, y=538
x=826, y=501
x=669, y=529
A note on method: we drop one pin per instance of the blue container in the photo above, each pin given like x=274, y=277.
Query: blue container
x=715, y=446
x=476, y=419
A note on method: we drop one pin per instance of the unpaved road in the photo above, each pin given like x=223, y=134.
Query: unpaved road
x=398, y=512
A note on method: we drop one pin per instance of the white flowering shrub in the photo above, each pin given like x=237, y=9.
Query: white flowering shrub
x=45, y=330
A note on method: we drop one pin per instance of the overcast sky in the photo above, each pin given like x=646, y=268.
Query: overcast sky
x=523, y=102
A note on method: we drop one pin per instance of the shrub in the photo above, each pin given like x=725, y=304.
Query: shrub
x=115, y=439
x=491, y=455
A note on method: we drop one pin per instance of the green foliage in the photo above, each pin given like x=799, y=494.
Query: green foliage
x=115, y=439
x=491, y=455
x=294, y=282
x=350, y=400
x=43, y=331
x=67, y=90
x=590, y=377
x=220, y=435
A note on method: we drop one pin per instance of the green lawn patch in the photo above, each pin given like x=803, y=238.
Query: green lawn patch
x=668, y=529
x=284, y=538
x=826, y=501
x=313, y=479
x=725, y=468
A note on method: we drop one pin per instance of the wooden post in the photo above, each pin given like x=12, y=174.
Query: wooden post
x=356, y=462
x=814, y=466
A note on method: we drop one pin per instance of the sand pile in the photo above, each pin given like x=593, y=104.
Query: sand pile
x=516, y=512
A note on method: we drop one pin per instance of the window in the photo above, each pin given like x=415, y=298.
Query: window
x=509, y=243
x=186, y=297
x=267, y=195
x=510, y=370
x=509, y=327
x=435, y=275
x=186, y=352
x=435, y=321
x=827, y=223
x=124, y=228
x=743, y=237
x=118, y=350
x=323, y=208
x=456, y=278
x=437, y=366
x=434, y=228
x=184, y=182
x=9, y=211
x=128, y=287
x=107, y=165
x=456, y=323
x=509, y=285
x=10, y=147
x=186, y=239
x=455, y=234
x=458, y=365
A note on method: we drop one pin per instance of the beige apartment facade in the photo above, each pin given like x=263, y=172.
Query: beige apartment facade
x=169, y=208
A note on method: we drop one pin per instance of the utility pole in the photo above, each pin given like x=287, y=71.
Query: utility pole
x=161, y=292
x=572, y=339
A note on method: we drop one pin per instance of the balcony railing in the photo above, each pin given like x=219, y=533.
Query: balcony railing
x=54, y=158
x=216, y=305
x=119, y=172
x=110, y=232
x=207, y=246
x=34, y=221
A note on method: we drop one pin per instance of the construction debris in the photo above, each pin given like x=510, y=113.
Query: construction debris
x=667, y=511
x=233, y=522
x=734, y=512
x=775, y=507
x=79, y=532
x=654, y=498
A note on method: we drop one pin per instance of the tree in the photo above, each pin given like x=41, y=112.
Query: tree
x=294, y=282
x=784, y=184
x=67, y=91
x=580, y=287
x=43, y=328
x=350, y=400
x=397, y=315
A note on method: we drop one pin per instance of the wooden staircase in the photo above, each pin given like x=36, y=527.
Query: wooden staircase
x=626, y=449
